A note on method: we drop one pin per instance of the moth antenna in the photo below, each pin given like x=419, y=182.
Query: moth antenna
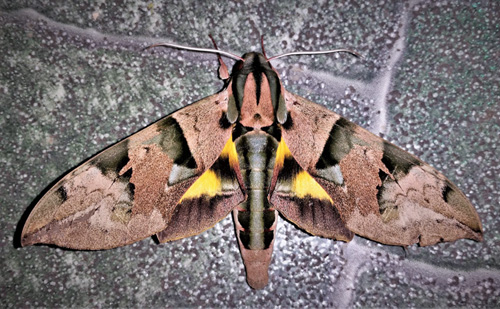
x=341, y=50
x=198, y=49
x=262, y=46
x=223, y=71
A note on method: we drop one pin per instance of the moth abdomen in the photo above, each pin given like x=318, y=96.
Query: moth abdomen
x=255, y=218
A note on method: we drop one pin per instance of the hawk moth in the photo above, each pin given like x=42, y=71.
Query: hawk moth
x=256, y=150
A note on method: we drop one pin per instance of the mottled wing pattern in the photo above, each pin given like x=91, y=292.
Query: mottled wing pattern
x=379, y=190
x=131, y=190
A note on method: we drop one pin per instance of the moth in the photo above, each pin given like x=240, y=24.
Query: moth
x=256, y=150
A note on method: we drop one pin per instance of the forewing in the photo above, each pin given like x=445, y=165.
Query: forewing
x=130, y=190
x=381, y=191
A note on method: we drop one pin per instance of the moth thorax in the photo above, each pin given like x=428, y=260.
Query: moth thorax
x=257, y=109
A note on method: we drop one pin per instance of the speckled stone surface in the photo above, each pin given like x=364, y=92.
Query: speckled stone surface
x=74, y=79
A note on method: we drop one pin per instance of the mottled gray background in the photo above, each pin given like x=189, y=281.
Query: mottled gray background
x=74, y=79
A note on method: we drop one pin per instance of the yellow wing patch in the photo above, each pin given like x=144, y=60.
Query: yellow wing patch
x=281, y=153
x=209, y=183
x=229, y=152
x=303, y=184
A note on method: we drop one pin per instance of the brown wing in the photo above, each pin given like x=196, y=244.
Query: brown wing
x=380, y=191
x=131, y=190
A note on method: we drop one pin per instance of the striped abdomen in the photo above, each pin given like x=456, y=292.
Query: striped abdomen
x=255, y=218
